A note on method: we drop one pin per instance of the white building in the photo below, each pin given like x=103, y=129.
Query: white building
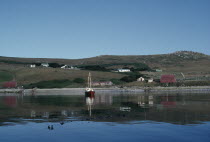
x=64, y=67
x=140, y=79
x=158, y=70
x=124, y=70
x=33, y=66
x=69, y=67
x=45, y=64
x=150, y=80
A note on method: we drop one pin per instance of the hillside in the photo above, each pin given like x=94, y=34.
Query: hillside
x=162, y=59
x=182, y=60
x=192, y=64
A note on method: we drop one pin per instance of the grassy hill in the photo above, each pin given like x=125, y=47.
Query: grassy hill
x=193, y=65
x=5, y=76
x=25, y=75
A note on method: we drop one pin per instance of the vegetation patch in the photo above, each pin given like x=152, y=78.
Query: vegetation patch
x=79, y=80
x=117, y=81
x=50, y=84
x=94, y=68
x=136, y=66
x=55, y=65
x=5, y=76
x=132, y=76
x=12, y=62
x=196, y=83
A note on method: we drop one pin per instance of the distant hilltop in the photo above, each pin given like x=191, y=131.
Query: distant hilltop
x=189, y=54
x=107, y=59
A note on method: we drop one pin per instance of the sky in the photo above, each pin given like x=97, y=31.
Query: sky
x=76, y=29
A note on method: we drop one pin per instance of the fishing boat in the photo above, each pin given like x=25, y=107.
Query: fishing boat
x=89, y=92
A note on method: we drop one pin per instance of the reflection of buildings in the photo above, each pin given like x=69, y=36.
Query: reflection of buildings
x=64, y=113
x=161, y=101
x=168, y=101
x=125, y=109
x=10, y=101
x=145, y=101
x=173, y=108
x=104, y=99
x=46, y=115
x=33, y=114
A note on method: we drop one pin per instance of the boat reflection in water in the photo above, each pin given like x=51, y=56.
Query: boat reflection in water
x=89, y=102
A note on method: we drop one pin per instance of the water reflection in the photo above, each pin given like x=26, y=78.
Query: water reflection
x=89, y=102
x=171, y=108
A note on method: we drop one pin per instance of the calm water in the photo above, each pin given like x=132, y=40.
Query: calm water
x=105, y=117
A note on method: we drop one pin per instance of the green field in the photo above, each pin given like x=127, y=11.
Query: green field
x=50, y=84
x=5, y=76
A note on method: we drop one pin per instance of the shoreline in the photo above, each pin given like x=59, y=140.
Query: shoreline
x=80, y=91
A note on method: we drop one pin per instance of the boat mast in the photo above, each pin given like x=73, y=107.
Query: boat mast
x=89, y=80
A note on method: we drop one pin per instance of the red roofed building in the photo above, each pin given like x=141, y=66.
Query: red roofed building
x=11, y=84
x=167, y=79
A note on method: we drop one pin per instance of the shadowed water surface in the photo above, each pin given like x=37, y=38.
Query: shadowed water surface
x=105, y=117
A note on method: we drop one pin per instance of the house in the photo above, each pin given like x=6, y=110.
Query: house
x=158, y=70
x=33, y=66
x=45, y=64
x=124, y=70
x=73, y=68
x=96, y=83
x=65, y=67
x=150, y=80
x=167, y=79
x=69, y=67
x=10, y=84
x=140, y=79
x=102, y=83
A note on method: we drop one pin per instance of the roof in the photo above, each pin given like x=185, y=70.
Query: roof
x=167, y=79
x=11, y=84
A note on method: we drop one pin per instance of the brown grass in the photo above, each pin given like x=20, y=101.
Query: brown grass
x=33, y=75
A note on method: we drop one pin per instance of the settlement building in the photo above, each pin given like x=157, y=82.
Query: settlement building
x=150, y=80
x=45, y=64
x=167, y=79
x=33, y=66
x=124, y=70
x=69, y=67
x=10, y=84
x=65, y=67
x=140, y=79
x=158, y=70
x=102, y=83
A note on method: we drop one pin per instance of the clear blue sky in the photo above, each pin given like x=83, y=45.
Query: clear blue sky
x=86, y=28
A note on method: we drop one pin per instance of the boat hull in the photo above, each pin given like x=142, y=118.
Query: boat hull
x=90, y=93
